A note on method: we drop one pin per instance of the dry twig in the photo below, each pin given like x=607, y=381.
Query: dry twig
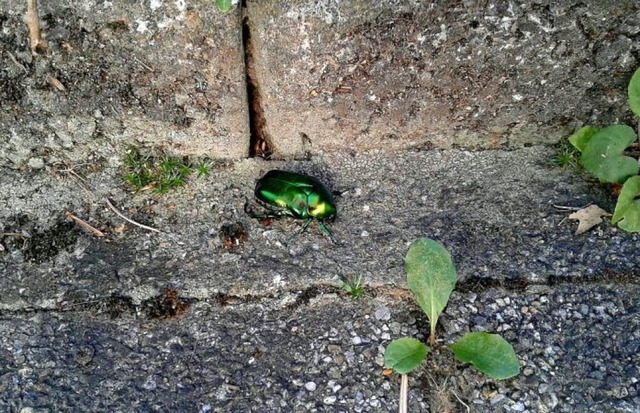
x=110, y=205
x=570, y=208
x=33, y=22
x=84, y=224
x=14, y=234
x=56, y=83
x=15, y=61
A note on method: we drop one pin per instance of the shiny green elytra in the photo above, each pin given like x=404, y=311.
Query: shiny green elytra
x=295, y=195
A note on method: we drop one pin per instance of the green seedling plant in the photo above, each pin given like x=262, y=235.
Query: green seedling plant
x=159, y=174
x=567, y=157
x=431, y=277
x=604, y=153
x=203, y=168
x=354, y=286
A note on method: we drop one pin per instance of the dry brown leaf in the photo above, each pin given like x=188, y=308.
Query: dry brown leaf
x=589, y=217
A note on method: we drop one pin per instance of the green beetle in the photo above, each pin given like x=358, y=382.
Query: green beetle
x=295, y=195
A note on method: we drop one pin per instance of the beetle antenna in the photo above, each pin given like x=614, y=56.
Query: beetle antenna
x=340, y=193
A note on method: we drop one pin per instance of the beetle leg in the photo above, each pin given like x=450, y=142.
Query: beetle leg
x=252, y=214
x=304, y=227
x=326, y=231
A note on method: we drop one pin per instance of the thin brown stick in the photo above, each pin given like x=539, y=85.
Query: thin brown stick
x=460, y=400
x=55, y=83
x=15, y=61
x=84, y=224
x=14, y=234
x=33, y=22
x=571, y=208
x=143, y=64
x=110, y=205
x=404, y=393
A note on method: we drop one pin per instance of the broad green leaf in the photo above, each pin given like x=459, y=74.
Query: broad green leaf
x=580, y=138
x=489, y=353
x=223, y=5
x=431, y=277
x=634, y=93
x=404, y=354
x=603, y=154
x=627, y=213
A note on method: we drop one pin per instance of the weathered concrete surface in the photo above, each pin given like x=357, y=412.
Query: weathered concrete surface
x=356, y=75
x=167, y=74
x=88, y=324
x=260, y=326
x=493, y=210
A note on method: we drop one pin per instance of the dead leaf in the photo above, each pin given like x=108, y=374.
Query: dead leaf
x=589, y=217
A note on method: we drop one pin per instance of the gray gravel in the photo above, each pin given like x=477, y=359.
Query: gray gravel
x=265, y=356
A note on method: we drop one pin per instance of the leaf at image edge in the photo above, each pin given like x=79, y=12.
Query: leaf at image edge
x=224, y=5
x=431, y=276
x=604, y=154
x=580, y=137
x=627, y=213
x=634, y=93
x=489, y=353
x=404, y=354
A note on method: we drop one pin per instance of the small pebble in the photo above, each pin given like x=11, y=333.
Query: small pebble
x=36, y=163
x=518, y=407
x=329, y=400
x=310, y=386
x=382, y=313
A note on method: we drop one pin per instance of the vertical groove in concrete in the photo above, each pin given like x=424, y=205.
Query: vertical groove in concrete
x=259, y=142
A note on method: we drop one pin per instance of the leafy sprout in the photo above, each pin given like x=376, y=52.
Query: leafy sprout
x=567, y=157
x=158, y=174
x=354, y=286
x=203, y=168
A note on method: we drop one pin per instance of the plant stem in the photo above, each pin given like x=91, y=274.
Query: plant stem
x=404, y=392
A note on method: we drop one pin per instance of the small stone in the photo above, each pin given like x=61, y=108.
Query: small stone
x=329, y=400
x=356, y=340
x=36, y=163
x=17, y=256
x=382, y=313
x=518, y=407
x=497, y=399
x=310, y=386
x=150, y=384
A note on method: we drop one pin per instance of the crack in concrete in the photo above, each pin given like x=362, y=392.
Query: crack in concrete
x=169, y=304
x=260, y=143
